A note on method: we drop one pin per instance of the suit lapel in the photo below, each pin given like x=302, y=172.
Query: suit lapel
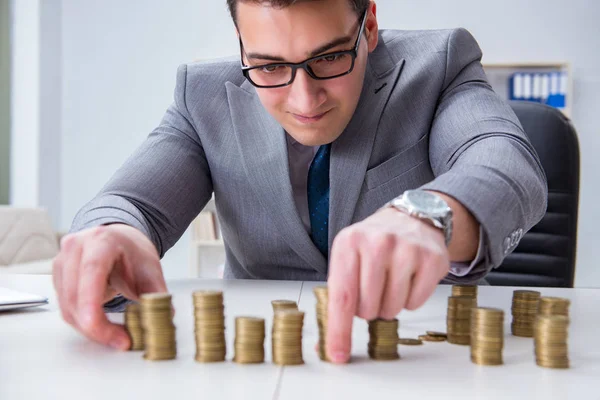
x=262, y=144
x=352, y=150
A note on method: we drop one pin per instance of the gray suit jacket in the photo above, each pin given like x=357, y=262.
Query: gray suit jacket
x=427, y=118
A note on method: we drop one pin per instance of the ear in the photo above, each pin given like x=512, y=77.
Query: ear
x=372, y=27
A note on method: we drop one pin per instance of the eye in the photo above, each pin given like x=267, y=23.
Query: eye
x=269, y=69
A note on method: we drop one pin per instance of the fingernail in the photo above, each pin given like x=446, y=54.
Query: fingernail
x=119, y=343
x=339, y=357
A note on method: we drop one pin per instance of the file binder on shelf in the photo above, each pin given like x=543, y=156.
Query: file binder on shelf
x=547, y=87
x=546, y=83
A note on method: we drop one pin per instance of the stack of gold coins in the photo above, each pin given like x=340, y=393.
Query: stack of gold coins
x=157, y=323
x=551, y=333
x=284, y=305
x=133, y=324
x=458, y=319
x=322, y=295
x=209, y=326
x=487, y=336
x=554, y=306
x=287, y=337
x=524, y=310
x=249, y=340
x=465, y=290
x=383, y=339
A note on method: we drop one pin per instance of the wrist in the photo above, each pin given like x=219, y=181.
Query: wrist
x=427, y=207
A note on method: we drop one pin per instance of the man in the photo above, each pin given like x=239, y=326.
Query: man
x=328, y=121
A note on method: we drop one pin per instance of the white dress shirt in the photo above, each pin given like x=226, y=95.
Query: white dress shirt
x=299, y=159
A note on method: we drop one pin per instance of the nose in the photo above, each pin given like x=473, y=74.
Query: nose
x=306, y=94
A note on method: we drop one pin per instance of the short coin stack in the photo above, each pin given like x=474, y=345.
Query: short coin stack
x=551, y=333
x=458, y=319
x=209, y=326
x=133, y=324
x=487, y=336
x=554, y=306
x=322, y=295
x=157, y=322
x=465, y=290
x=524, y=310
x=383, y=339
x=287, y=337
x=249, y=340
x=284, y=305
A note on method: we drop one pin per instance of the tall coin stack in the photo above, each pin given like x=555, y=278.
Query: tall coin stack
x=487, y=336
x=287, y=337
x=322, y=295
x=157, y=322
x=383, y=339
x=551, y=333
x=465, y=290
x=524, y=310
x=133, y=324
x=249, y=340
x=284, y=305
x=458, y=319
x=209, y=326
x=554, y=306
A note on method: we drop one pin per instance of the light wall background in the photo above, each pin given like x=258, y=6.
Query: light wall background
x=114, y=65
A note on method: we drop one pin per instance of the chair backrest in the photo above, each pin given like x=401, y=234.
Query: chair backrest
x=546, y=254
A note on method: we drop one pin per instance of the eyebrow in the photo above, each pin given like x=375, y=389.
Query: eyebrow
x=327, y=46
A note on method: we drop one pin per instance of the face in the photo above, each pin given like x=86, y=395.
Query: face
x=313, y=112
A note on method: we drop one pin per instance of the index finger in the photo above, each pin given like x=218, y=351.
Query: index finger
x=97, y=262
x=343, y=286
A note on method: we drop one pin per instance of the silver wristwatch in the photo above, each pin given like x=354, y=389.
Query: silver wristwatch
x=426, y=206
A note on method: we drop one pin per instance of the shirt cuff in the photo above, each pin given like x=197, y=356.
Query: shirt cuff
x=117, y=304
x=461, y=269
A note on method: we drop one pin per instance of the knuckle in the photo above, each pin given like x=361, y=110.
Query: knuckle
x=350, y=236
x=102, y=233
x=384, y=243
x=68, y=242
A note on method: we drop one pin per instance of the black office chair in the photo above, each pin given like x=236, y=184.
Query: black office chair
x=546, y=254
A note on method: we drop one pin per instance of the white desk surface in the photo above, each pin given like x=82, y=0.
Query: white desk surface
x=42, y=357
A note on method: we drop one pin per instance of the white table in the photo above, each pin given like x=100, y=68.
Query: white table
x=42, y=357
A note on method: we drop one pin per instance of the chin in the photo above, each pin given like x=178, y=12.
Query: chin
x=315, y=137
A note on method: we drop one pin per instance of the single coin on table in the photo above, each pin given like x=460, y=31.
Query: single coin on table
x=429, y=338
x=410, y=341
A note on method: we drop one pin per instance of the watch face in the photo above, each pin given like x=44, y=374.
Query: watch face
x=427, y=201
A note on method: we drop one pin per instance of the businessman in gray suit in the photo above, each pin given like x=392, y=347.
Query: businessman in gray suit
x=380, y=161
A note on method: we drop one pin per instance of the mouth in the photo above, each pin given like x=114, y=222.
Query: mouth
x=305, y=119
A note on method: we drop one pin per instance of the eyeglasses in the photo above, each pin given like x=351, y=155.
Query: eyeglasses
x=326, y=66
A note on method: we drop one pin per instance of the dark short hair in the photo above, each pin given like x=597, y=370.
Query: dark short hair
x=358, y=5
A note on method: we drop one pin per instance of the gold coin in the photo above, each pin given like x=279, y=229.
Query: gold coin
x=409, y=342
x=429, y=338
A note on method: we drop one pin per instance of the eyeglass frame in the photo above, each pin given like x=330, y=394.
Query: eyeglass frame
x=304, y=64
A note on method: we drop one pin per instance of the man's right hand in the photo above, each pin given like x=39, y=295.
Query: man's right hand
x=96, y=264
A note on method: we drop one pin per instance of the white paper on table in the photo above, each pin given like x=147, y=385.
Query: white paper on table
x=12, y=299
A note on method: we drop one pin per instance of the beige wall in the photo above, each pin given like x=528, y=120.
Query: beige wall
x=4, y=100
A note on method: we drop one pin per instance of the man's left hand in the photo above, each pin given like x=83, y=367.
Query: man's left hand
x=379, y=266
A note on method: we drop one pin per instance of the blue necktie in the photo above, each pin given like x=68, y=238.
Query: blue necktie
x=318, y=198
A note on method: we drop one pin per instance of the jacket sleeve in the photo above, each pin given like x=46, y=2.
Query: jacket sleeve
x=481, y=156
x=162, y=186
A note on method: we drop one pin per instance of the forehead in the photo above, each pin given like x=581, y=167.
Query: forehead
x=295, y=31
